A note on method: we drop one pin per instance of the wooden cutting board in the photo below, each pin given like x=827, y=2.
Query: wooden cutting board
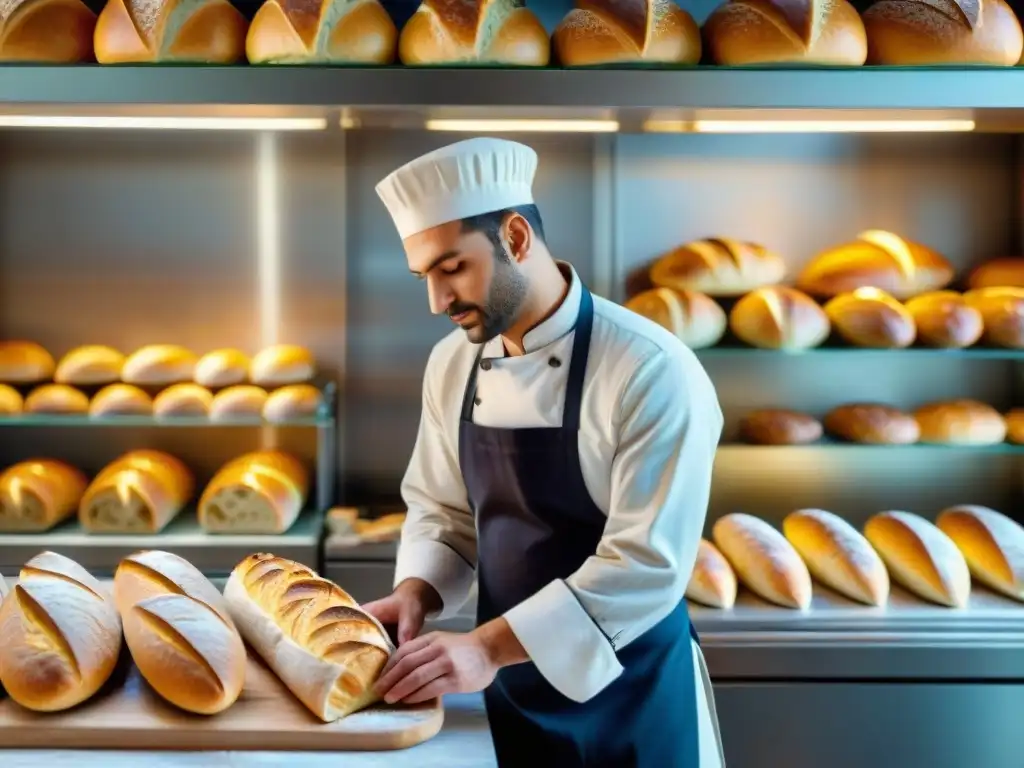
x=127, y=714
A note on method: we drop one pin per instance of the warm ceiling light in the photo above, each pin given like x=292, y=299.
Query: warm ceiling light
x=807, y=126
x=165, y=123
x=564, y=126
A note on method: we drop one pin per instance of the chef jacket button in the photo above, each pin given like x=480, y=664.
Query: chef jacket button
x=554, y=362
x=485, y=365
x=477, y=400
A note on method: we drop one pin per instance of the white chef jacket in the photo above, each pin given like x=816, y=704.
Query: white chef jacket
x=649, y=427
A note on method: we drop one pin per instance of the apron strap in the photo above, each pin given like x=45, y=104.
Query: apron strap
x=469, y=396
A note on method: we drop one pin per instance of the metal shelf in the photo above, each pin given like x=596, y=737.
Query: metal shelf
x=75, y=420
x=970, y=353
x=998, y=448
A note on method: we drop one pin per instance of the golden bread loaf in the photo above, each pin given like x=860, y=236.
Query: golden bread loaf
x=931, y=32
x=693, y=317
x=11, y=401
x=742, y=32
x=60, y=635
x=474, y=32
x=763, y=560
x=775, y=426
x=282, y=364
x=310, y=632
x=872, y=423
x=838, y=555
x=258, y=492
x=1015, y=426
x=626, y=31
x=25, y=362
x=960, y=422
x=991, y=543
x=1002, y=312
x=293, y=401
x=221, y=367
x=90, y=365
x=38, y=494
x=321, y=32
x=58, y=399
x=180, y=632
x=945, y=319
x=185, y=399
x=779, y=317
x=158, y=364
x=120, y=400
x=169, y=31
x=869, y=317
x=876, y=259
x=713, y=581
x=718, y=267
x=1007, y=272
x=139, y=492
x=46, y=31
x=387, y=527
x=242, y=401
x=920, y=557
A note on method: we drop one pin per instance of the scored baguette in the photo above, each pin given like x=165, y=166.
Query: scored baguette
x=326, y=649
x=992, y=544
x=258, y=492
x=764, y=561
x=37, y=495
x=713, y=581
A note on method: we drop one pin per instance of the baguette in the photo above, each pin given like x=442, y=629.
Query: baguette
x=763, y=560
x=60, y=635
x=259, y=492
x=692, y=317
x=718, y=267
x=713, y=581
x=89, y=365
x=37, y=495
x=991, y=543
x=312, y=634
x=25, y=362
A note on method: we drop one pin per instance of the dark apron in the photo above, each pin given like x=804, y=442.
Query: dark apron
x=535, y=523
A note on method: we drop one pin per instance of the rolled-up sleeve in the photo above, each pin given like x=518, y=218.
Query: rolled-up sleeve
x=670, y=423
x=438, y=542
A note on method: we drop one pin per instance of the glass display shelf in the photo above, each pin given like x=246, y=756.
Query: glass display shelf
x=83, y=420
x=998, y=448
x=932, y=353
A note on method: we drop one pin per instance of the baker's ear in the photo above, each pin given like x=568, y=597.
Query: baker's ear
x=518, y=235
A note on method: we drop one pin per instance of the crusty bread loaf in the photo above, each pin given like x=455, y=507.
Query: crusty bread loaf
x=11, y=401
x=873, y=423
x=167, y=31
x=120, y=400
x=186, y=399
x=944, y=319
x=242, y=401
x=89, y=365
x=1015, y=426
x=693, y=317
x=775, y=426
x=381, y=529
x=180, y=632
x=718, y=267
x=742, y=32
x=960, y=422
x=920, y=557
x=1002, y=312
x=46, y=31
x=763, y=560
x=294, y=401
x=139, y=492
x=60, y=635
x=24, y=362
x=321, y=32
x=876, y=259
x=158, y=364
x=713, y=581
x=838, y=555
x=474, y=32
x=930, y=32
x=258, y=492
x=282, y=364
x=312, y=634
x=626, y=31
x=779, y=317
x=222, y=367
x=869, y=317
x=991, y=543
x=1007, y=272
x=38, y=494
x=57, y=399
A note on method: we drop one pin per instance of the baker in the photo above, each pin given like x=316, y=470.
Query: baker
x=564, y=460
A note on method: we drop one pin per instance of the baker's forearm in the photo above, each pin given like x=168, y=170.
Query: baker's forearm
x=501, y=643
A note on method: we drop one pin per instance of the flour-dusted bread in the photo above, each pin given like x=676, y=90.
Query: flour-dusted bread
x=692, y=317
x=139, y=492
x=838, y=555
x=713, y=581
x=764, y=561
x=38, y=494
x=779, y=317
x=920, y=557
x=992, y=544
x=60, y=635
x=718, y=266
x=258, y=492
x=326, y=649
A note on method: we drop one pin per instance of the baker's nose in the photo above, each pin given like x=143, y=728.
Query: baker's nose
x=439, y=295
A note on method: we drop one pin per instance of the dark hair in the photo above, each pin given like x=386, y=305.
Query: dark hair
x=490, y=223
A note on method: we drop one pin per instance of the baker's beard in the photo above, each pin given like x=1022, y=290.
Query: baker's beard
x=505, y=297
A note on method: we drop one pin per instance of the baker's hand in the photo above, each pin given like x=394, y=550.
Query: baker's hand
x=406, y=607
x=436, y=664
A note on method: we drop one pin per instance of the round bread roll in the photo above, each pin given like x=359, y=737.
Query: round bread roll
x=869, y=317
x=295, y=401
x=944, y=319
x=626, y=31
x=183, y=400
x=159, y=365
x=11, y=401
x=1007, y=272
x=773, y=426
x=121, y=400
x=876, y=259
x=837, y=555
x=763, y=560
x=960, y=422
x=221, y=367
x=24, y=362
x=1002, y=312
x=713, y=582
x=920, y=557
x=1015, y=426
x=282, y=364
x=718, y=267
x=931, y=32
x=991, y=543
x=56, y=399
x=89, y=366
x=694, y=318
x=742, y=32
x=242, y=401
x=872, y=423
x=778, y=317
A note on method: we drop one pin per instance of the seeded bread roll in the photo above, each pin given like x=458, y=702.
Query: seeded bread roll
x=872, y=423
x=837, y=555
x=763, y=560
x=773, y=426
x=185, y=399
x=11, y=401
x=25, y=362
x=89, y=366
x=713, y=582
x=779, y=317
x=960, y=422
x=120, y=400
x=920, y=557
x=944, y=319
x=39, y=494
x=1002, y=312
x=991, y=543
x=869, y=317
x=692, y=317
x=259, y=492
x=57, y=399
x=718, y=267
x=221, y=367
